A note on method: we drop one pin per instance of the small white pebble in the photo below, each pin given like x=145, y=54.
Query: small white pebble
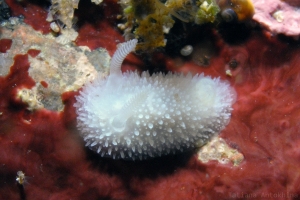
x=186, y=50
x=54, y=27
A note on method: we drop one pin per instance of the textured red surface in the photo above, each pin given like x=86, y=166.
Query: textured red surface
x=33, y=52
x=293, y=2
x=34, y=13
x=264, y=127
x=5, y=45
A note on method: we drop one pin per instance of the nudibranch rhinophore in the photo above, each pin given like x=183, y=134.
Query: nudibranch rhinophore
x=132, y=116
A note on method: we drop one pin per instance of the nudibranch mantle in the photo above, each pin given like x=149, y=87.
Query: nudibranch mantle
x=132, y=116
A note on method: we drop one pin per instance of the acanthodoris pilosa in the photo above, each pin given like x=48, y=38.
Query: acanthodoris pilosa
x=132, y=116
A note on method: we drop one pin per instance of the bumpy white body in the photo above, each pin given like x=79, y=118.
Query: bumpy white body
x=131, y=116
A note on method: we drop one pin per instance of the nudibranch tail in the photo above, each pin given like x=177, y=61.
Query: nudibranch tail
x=119, y=56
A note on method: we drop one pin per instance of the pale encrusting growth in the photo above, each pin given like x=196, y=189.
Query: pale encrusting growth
x=65, y=69
x=135, y=117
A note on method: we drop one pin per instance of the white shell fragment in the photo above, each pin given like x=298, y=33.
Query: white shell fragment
x=186, y=50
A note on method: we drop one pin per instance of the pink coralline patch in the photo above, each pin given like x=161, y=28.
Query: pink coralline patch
x=277, y=16
x=5, y=45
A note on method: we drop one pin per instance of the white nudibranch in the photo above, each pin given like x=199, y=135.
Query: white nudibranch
x=132, y=116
